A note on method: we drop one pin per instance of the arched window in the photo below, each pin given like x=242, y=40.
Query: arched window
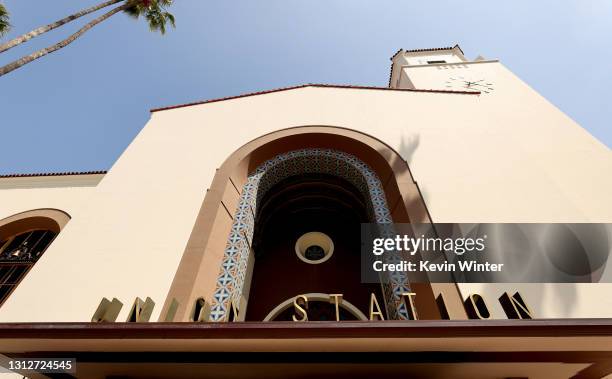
x=23, y=240
x=18, y=254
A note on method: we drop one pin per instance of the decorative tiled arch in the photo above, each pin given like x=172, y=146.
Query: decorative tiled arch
x=230, y=282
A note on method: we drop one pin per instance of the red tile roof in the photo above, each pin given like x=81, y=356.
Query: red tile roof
x=434, y=49
x=70, y=173
x=312, y=85
x=430, y=49
x=391, y=72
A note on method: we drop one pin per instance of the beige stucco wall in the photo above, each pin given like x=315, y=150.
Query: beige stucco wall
x=514, y=158
x=25, y=193
x=69, y=194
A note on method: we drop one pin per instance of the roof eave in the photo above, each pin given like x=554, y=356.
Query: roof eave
x=312, y=86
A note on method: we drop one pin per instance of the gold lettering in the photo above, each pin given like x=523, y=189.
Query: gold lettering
x=476, y=307
x=336, y=299
x=298, y=302
x=410, y=304
x=107, y=311
x=377, y=312
x=515, y=307
x=233, y=314
x=201, y=310
x=141, y=310
x=442, y=307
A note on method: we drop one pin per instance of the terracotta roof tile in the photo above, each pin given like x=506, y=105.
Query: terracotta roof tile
x=311, y=85
x=433, y=49
x=70, y=173
x=391, y=72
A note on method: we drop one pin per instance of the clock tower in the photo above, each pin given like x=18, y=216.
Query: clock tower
x=444, y=68
x=510, y=143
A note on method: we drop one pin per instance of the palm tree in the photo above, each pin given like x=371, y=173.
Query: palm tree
x=4, y=21
x=154, y=11
x=44, y=29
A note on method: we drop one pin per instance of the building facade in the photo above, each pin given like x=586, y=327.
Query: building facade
x=189, y=256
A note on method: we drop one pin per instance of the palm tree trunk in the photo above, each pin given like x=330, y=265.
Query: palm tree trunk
x=44, y=29
x=50, y=49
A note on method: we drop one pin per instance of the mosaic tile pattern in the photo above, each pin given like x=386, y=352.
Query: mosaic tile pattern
x=230, y=282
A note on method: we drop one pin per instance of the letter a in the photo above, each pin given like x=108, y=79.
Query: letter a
x=377, y=312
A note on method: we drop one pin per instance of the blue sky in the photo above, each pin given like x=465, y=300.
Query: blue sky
x=79, y=108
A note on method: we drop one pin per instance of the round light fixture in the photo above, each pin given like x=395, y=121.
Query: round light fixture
x=314, y=247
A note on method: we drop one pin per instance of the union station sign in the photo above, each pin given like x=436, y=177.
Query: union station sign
x=299, y=308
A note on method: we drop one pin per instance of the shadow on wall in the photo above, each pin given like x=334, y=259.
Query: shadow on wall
x=408, y=146
x=566, y=295
x=405, y=152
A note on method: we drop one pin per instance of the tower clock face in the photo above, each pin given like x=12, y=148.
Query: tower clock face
x=463, y=83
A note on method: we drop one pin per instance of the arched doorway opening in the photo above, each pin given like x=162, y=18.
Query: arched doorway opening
x=24, y=238
x=301, y=195
x=320, y=190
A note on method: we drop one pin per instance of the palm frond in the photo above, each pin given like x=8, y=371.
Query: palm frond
x=5, y=25
x=154, y=11
x=170, y=17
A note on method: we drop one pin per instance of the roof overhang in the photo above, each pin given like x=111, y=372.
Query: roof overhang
x=331, y=86
x=581, y=348
x=455, y=335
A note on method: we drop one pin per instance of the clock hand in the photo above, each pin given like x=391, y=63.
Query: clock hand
x=481, y=85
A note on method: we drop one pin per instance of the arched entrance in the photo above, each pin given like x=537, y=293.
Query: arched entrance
x=198, y=273
x=319, y=169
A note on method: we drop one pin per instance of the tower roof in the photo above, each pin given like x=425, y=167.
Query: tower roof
x=429, y=49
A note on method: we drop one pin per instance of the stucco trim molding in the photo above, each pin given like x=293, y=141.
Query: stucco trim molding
x=43, y=218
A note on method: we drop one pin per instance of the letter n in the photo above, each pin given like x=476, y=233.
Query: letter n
x=141, y=310
x=515, y=307
x=107, y=311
